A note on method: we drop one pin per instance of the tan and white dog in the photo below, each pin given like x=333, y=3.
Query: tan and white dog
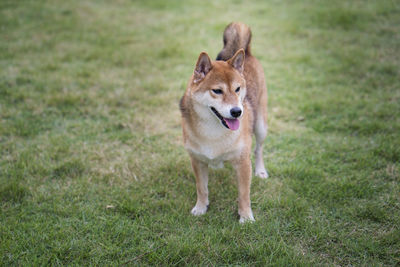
x=224, y=103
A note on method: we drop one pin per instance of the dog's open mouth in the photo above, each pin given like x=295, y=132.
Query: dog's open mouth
x=231, y=124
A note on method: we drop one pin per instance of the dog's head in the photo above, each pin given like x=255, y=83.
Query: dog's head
x=220, y=87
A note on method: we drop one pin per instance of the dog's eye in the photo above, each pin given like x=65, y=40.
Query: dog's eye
x=217, y=91
x=237, y=89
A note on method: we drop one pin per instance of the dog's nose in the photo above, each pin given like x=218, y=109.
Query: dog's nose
x=236, y=112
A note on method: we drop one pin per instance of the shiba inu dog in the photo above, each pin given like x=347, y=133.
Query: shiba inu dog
x=224, y=103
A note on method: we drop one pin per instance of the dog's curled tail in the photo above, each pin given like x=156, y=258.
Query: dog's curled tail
x=236, y=36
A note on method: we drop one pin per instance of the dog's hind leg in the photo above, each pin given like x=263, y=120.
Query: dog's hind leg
x=201, y=172
x=260, y=131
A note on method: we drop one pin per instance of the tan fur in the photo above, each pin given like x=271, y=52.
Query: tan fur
x=208, y=142
x=236, y=36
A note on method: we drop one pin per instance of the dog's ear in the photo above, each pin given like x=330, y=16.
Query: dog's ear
x=203, y=66
x=237, y=61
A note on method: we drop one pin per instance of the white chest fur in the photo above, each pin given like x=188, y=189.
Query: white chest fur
x=209, y=141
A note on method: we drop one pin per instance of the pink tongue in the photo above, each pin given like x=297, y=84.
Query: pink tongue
x=233, y=124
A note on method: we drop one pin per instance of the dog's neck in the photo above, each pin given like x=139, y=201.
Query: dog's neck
x=208, y=139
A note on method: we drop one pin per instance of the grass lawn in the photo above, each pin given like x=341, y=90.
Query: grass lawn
x=92, y=166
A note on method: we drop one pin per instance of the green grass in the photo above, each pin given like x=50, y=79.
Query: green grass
x=92, y=167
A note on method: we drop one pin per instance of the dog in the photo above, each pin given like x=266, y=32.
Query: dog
x=224, y=104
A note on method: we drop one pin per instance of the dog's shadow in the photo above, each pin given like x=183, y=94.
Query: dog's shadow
x=169, y=192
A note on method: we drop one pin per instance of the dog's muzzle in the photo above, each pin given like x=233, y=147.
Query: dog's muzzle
x=231, y=124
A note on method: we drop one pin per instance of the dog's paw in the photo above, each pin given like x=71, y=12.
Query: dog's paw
x=199, y=210
x=246, y=219
x=262, y=173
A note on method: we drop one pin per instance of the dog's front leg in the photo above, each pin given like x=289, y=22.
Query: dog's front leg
x=243, y=170
x=201, y=172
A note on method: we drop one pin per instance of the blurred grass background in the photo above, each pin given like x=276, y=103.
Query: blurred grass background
x=92, y=169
